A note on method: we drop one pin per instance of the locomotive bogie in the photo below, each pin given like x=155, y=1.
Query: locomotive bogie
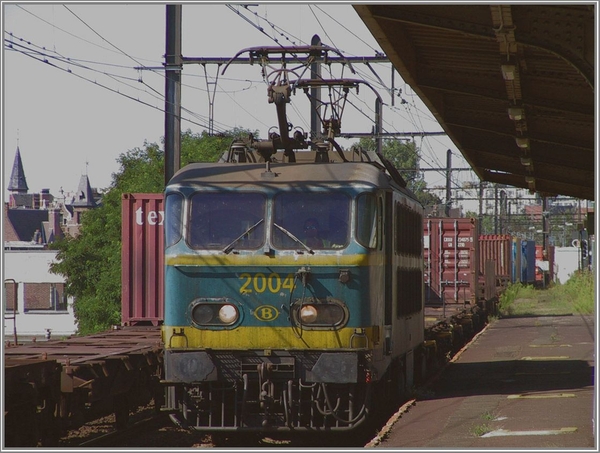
x=274, y=407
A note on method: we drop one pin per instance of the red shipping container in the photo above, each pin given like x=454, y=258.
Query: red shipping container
x=451, y=261
x=142, y=269
x=497, y=248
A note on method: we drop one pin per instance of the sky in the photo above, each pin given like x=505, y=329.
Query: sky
x=74, y=97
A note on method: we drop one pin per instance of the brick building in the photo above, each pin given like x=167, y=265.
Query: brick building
x=35, y=304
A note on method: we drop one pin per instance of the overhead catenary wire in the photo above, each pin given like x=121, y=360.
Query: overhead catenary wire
x=67, y=32
x=376, y=81
x=100, y=36
x=210, y=127
x=43, y=55
x=43, y=52
x=155, y=94
x=101, y=85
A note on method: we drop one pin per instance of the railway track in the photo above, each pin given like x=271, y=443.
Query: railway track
x=55, y=386
x=149, y=428
x=92, y=389
x=119, y=437
x=157, y=431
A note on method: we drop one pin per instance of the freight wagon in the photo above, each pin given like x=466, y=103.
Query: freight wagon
x=497, y=249
x=464, y=268
x=142, y=259
x=514, y=258
x=451, y=255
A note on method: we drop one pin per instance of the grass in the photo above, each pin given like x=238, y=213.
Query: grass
x=483, y=428
x=480, y=430
x=576, y=296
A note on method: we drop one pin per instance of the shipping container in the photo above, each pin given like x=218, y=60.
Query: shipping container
x=142, y=272
x=527, y=261
x=496, y=248
x=515, y=265
x=451, y=250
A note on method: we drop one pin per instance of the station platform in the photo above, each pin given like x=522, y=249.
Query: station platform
x=525, y=382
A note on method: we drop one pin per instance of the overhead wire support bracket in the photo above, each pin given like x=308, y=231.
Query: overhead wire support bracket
x=313, y=53
x=211, y=98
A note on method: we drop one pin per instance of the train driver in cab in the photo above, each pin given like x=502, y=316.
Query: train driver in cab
x=312, y=235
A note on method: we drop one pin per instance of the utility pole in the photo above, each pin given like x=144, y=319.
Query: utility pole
x=315, y=94
x=480, y=208
x=173, y=65
x=502, y=211
x=495, y=208
x=378, y=124
x=545, y=225
x=448, y=181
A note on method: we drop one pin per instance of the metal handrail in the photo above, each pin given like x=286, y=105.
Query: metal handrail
x=15, y=302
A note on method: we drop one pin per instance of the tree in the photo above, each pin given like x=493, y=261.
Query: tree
x=486, y=222
x=91, y=262
x=405, y=156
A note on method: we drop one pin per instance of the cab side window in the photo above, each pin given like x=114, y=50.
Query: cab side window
x=368, y=221
x=173, y=221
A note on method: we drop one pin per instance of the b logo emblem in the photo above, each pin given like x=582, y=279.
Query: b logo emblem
x=266, y=313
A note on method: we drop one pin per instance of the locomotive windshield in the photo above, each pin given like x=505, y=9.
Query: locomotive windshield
x=224, y=220
x=314, y=220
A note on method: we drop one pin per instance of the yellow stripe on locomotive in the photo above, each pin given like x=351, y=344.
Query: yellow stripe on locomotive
x=264, y=338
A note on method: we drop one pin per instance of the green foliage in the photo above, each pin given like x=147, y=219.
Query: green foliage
x=91, y=262
x=576, y=296
x=208, y=148
x=91, y=265
x=487, y=222
x=480, y=430
x=580, y=290
x=405, y=156
x=514, y=292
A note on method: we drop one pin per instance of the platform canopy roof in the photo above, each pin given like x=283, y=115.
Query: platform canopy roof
x=511, y=85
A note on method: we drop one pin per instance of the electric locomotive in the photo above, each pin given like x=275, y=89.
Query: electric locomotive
x=294, y=284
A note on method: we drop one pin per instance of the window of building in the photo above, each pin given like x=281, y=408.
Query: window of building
x=10, y=296
x=45, y=297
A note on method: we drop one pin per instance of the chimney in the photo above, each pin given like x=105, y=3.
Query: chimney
x=54, y=223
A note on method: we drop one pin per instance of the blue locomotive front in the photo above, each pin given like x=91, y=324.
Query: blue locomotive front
x=275, y=309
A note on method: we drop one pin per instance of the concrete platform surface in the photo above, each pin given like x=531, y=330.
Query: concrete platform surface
x=521, y=383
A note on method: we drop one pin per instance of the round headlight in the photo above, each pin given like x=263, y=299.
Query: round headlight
x=228, y=314
x=202, y=314
x=308, y=314
x=320, y=314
